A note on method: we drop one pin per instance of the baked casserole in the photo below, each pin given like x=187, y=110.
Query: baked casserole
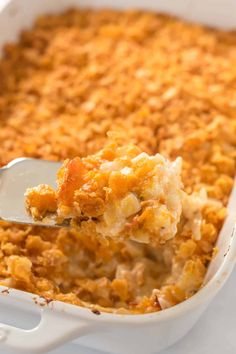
x=162, y=84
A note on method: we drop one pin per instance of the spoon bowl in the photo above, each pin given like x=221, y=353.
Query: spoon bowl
x=15, y=178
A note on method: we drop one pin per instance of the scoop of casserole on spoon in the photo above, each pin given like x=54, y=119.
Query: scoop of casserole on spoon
x=120, y=193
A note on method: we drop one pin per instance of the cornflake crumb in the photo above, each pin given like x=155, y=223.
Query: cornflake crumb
x=19, y=268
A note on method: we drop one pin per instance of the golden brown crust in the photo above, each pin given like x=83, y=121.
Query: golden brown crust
x=40, y=206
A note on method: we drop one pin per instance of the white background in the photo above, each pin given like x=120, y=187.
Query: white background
x=215, y=333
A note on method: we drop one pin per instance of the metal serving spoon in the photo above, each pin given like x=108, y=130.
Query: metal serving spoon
x=15, y=178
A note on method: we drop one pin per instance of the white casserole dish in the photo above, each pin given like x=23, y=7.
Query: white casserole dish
x=49, y=325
